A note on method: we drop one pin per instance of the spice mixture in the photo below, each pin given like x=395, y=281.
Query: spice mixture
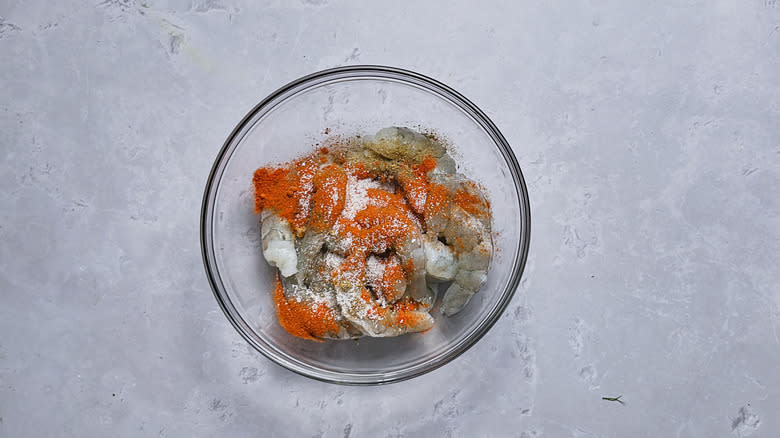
x=364, y=233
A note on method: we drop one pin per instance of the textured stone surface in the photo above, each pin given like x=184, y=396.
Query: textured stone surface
x=649, y=135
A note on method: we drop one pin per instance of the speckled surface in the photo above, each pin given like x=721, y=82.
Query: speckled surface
x=649, y=135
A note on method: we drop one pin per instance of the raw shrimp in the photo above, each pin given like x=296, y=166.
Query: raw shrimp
x=360, y=229
x=278, y=243
x=320, y=293
x=453, y=208
x=386, y=278
x=464, y=225
x=327, y=202
x=363, y=311
x=383, y=234
x=440, y=263
x=384, y=230
x=401, y=144
x=308, y=248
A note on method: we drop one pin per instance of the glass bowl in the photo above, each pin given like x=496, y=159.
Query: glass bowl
x=351, y=101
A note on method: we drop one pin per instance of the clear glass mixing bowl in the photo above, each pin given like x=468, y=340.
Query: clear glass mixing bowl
x=351, y=101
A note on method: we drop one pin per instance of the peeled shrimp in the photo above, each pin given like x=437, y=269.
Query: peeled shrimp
x=278, y=243
x=385, y=276
x=397, y=143
x=385, y=215
x=365, y=313
x=467, y=235
x=440, y=263
x=320, y=292
x=465, y=257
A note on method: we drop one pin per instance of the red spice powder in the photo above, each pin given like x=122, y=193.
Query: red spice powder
x=428, y=164
x=286, y=190
x=359, y=170
x=414, y=183
x=271, y=190
x=471, y=203
x=381, y=228
x=301, y=183
x=407, y=312
x=355, y=264
x=330, y=187
x=437, y=200
x=303, y=320
x=393, y=273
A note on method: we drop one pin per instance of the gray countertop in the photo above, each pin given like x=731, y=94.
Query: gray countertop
x=649, y=135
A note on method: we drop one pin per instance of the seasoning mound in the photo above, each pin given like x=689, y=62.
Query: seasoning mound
x=365, y=231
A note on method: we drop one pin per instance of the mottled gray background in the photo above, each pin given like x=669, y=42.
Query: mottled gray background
x=649, y=134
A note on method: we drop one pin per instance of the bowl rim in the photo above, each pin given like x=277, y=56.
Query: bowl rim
x=440, y=90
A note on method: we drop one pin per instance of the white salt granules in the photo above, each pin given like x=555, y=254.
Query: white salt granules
x=357, y=195
x=304, y=294
x=333, y=260
x=375, y=269
x=352, y=304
